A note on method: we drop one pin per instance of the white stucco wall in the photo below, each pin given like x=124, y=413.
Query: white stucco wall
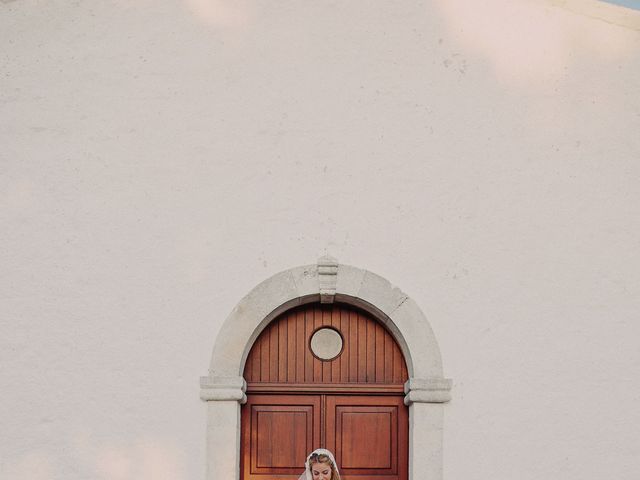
x=160, y=159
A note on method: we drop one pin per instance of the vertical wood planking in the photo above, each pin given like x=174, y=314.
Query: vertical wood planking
x=264, y=355
x=308, y=359
x=325, y=315
x=255, y=359
x=248, y=366
x=291, y=347
x=300, y=347
x=344, y=358
x=379, y=360
x=353, y=347
x=397, y=365
x=371, y=351
x=273, y=353
x=388, y=359
x=336, y=365
x=362, y=349
x=317, y=364
x=281, y=353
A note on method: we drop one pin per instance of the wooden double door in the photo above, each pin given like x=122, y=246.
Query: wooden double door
x=367, y=433
x=352, y=404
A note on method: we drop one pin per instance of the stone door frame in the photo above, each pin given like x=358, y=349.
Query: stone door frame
x=426, y=390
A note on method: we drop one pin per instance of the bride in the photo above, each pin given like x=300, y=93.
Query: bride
x=320, y=465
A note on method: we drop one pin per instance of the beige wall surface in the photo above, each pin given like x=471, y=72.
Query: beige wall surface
x=160, y=159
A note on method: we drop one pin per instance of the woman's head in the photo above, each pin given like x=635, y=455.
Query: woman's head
x=322, y=466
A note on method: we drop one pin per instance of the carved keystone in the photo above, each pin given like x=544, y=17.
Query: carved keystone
x=327, y=278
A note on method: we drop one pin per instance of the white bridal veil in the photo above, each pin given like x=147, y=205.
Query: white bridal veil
x=320, y=451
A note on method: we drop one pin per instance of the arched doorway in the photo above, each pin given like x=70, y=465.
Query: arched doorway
x=327, y=282
x=326, y=376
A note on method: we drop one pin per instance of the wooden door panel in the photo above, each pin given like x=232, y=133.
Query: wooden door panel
x=351, y=404
x=281, y=435
x=372, y=428
x=369, y=436
x=277, y=433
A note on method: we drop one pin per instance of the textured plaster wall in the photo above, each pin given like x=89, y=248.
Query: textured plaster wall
x=159, y=159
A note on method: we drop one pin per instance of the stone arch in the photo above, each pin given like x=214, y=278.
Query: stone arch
x=223, y=389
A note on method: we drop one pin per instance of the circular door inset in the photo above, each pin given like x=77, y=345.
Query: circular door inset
x=326, y=343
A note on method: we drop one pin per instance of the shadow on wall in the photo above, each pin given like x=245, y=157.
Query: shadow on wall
x=526, y=42
x=222, y=13
x=145, y=459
